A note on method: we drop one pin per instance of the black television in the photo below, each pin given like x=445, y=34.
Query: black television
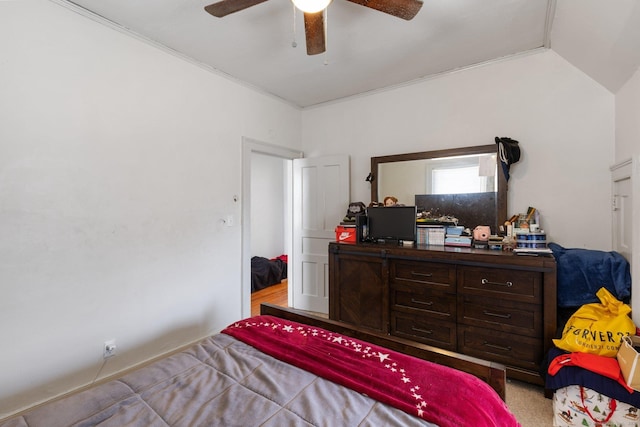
x=393, y=223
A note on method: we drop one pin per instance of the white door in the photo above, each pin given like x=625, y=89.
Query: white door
x=625, y=181
x=320, y=201
x=622, y=216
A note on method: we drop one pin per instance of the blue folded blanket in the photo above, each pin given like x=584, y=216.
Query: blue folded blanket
x=581, y=272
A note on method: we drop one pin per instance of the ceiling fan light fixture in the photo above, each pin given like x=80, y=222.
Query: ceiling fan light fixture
x=311, y=6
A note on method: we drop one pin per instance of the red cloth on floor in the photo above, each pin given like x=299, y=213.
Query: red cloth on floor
x=605, y=366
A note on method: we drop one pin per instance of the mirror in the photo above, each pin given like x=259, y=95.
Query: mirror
x=462, y=183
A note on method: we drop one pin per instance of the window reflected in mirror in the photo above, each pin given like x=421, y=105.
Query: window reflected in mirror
x=464, y=174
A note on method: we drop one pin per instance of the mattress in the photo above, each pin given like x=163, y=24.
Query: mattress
x=268, y=371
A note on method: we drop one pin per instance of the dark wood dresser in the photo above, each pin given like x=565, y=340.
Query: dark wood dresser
x=488, y=304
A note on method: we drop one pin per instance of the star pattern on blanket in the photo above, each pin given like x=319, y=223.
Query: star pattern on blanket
x=367, y=352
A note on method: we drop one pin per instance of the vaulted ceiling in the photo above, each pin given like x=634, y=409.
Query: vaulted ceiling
x=368, y=50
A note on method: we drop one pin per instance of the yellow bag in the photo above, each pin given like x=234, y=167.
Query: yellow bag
x=597, y=328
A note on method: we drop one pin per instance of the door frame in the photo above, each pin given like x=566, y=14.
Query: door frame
x=629, y=169
x=249, y=147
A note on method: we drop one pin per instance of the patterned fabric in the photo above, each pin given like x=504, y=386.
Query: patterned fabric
x=580, y=406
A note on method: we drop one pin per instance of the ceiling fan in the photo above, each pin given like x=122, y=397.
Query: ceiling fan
x=314, y=26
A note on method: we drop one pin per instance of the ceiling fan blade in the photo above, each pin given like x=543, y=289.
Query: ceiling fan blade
x=405, y=9
x=226, y=7
x=314, y=31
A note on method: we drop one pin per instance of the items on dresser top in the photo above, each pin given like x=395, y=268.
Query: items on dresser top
x=392, y=223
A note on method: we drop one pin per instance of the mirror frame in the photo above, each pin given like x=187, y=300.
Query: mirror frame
x=501, y=198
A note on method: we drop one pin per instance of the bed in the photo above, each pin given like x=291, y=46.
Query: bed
x=286, y=367
x=267, y=272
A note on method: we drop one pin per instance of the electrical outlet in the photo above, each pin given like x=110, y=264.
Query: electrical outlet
x=109, y=349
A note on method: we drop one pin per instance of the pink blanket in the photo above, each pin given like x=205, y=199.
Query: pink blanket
x=432, y=392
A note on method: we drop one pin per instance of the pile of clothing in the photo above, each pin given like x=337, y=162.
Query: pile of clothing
x=581, y=368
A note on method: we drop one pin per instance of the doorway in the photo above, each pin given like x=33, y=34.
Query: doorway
x=625, y=231
x=266, y=209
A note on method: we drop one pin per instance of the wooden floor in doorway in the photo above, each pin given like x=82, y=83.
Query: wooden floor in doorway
x=276, y=294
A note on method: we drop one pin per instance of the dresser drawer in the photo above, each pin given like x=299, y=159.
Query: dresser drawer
x=504, y=284
x=501, y=347
x=434, y=275
x=437, y=333
x=505, y=315
x=423, y=301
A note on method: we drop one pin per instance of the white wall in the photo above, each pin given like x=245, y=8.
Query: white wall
x=563, y=120
x=628, y=120
x=118, y=163
x=268, y=180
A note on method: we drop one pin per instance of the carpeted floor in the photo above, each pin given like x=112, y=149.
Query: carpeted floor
x=528, y=404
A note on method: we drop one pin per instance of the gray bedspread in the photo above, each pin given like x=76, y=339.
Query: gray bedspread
x=219, y=382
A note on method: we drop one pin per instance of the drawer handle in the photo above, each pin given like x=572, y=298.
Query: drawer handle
x=425, y=331
x=416, y=301
x=499, y=347
x=415, y=273
x=502, y=316
x=487, y=282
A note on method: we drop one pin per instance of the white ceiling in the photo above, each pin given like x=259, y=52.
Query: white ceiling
x=368, y=50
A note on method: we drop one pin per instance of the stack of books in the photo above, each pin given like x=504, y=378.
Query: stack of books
x=458, y=240
x=454, y=237
x=430, y=234
x=496, y=242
